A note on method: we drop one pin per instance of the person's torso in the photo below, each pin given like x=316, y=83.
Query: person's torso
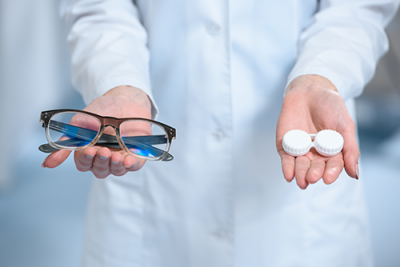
x=218, y=73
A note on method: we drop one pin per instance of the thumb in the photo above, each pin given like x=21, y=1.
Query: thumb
x=56, y=158
x=351, y=153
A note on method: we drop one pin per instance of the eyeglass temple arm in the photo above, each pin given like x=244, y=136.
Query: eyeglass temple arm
x=87, y=134
x=46, y=148
x=131, y=142
x=141, y=142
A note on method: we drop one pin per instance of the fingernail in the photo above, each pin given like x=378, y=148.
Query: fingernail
x=44, y=162
x=116, y=163
x=357, y=172
x=102, y=157
x=305, y=186
x=287, y=181
x=89, y=156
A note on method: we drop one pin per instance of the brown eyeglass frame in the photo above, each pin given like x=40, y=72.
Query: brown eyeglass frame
x=105, y=139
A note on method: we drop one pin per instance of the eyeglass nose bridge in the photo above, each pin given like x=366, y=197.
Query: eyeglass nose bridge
x=110, y=125
x=116, y=129
x=107, y=136
x=109, y=121
x=113, y=123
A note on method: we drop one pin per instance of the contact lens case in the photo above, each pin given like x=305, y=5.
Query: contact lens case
x=326, y=142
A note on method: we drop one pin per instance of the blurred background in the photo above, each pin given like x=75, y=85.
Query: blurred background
x=42, y=211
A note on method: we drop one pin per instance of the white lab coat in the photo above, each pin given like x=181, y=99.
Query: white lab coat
x=216, y=71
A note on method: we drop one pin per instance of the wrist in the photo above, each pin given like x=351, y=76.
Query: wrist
x=310, y=83
x=131, y=93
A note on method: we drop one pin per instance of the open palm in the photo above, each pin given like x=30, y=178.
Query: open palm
x=312, y=104
x=122, y=102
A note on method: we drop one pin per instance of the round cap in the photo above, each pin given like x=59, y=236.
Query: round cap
x=328, y=142
x=296, y=143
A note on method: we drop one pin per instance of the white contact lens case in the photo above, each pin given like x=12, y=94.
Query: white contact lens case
x=298, y=143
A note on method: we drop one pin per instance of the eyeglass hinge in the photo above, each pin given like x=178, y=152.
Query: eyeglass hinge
x=172, y=132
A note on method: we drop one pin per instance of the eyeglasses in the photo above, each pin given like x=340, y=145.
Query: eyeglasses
x=71, y=129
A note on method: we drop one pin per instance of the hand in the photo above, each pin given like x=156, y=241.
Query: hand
x=312, y=104
x=120, y=102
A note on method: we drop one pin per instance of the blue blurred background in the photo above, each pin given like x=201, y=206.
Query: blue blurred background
x=42, y=211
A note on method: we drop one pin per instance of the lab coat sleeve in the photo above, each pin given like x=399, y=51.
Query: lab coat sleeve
x=344, y=42
x=108, y=45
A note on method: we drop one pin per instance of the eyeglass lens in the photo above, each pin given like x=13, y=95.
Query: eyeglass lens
x=144, y=138
x=73, y=129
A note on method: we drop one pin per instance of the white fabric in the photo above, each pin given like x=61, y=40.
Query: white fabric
x=344, y=41
x=218, y=70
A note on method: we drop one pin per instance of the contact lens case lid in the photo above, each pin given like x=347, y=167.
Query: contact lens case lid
x=328, y=142
x=297, y=143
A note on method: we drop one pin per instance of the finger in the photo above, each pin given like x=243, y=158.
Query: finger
x=316, y=171
x=334, y=167
x=133, y=163
x=288, y=163
x=55, y=158
x=84, y=159
x=301, y=169
x=101, y=163
x=351, y=153
x=117, y=167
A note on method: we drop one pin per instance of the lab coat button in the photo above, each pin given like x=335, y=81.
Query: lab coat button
x=220, y=234
x=213, y=28
x=218, y=135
